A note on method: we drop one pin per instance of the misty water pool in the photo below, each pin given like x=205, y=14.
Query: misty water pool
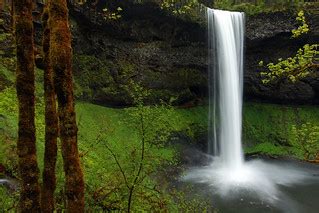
x=229, y=182
x=264, y=186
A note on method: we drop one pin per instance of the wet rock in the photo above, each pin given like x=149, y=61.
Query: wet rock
x=194, y=157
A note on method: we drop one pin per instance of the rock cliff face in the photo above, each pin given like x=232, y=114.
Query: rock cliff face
x=169, y=56
x=269, y=38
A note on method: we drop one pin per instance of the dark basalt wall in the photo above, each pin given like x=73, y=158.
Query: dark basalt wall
x=169, y=56
x=269, y=38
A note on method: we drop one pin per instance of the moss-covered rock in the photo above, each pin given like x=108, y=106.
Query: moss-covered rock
x=106, y=82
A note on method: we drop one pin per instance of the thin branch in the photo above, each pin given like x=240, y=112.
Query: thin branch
x=152, y=189
x=140, y=165
x=119, y=165
x=98, y=140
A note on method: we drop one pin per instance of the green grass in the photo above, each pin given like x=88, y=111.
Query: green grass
x=6, y=73
x=115, y=128
x=97, y=126
x=7, y=200
x=4, y=36
x=267, y=127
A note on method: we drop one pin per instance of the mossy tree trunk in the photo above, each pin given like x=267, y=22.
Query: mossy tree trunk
x=51, y=124
x=60, y=58
x=26, y=144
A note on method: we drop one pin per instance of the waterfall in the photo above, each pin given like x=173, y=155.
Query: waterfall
x=228, y=174
x=225, y=49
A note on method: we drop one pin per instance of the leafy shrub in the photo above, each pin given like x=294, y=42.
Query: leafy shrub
x=303, y=64
x=8, y=200
x=305, y=138
x=178, y=7
x=303, y=27
x=293, y=68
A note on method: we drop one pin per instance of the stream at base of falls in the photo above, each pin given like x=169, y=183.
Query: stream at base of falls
x=283, y=186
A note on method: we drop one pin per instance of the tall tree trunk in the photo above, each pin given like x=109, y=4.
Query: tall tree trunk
x=51, y=124
x=60, y=57
x=26, y=144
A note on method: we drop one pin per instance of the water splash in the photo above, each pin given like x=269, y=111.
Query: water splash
x=256, y=177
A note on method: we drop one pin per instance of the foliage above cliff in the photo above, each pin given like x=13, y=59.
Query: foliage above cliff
x=251, y=7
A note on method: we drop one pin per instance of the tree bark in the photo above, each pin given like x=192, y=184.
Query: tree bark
x=26, y=144
x=60, y=58
x=51, y=124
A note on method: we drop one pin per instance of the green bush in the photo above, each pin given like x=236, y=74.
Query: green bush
x=8, y=200
x=305, y=139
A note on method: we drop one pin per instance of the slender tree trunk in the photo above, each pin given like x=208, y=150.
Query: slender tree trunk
x=60, y=58
x=26, y=144
x=51, y=124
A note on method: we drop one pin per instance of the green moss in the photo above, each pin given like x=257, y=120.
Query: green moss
x=94, y=121
x=186, y=77
x=7, y=200
x=267, y=128
x=117, y=128
x=93, y=118
x=7, y=76
x=4, y=36
x=166, y=87
x=101, y=81
x=269, y=149
x=108, y=82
